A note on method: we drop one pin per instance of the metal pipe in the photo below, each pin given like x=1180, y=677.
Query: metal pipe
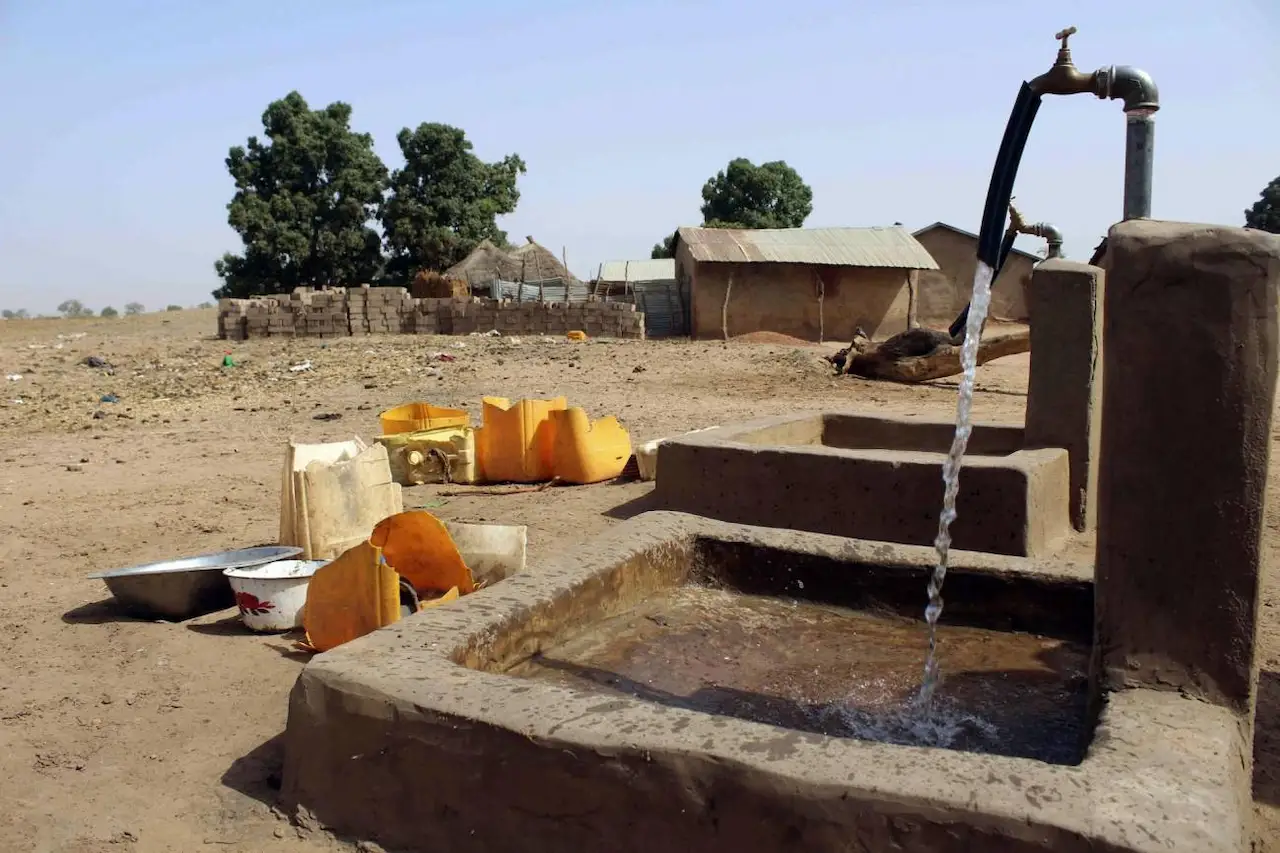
x=1139, y=162
x=1051, y=235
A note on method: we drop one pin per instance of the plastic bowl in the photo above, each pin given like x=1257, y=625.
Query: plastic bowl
x=271, y=598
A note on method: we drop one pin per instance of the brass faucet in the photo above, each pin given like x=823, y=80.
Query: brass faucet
x=1064, y=78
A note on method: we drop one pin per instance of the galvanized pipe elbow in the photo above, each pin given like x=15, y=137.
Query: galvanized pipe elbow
x=1131, y=85
x=1051, y=234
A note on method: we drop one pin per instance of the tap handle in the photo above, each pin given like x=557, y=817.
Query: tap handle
x=1063, y=35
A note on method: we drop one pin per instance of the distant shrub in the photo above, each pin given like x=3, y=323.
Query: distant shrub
x=173, y=308
x=74, y=308
x=109, y=312
x=134, y=308
x=205, y=305
x=20, y=314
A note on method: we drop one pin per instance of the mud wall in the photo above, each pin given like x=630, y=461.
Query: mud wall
x=784, y=298
x=340, y=312
x=943, y=293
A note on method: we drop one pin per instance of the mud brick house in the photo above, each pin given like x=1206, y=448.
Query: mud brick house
x=810, y=283
x=943, y=292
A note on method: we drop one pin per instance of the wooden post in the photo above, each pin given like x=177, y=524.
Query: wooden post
x=913, y=282
x=542, y=287
x=724, y=309
x=822, y=293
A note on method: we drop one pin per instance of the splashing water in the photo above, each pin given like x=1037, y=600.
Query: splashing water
x=979, y=304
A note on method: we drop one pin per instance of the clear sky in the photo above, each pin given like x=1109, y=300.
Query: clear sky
x=116, y=115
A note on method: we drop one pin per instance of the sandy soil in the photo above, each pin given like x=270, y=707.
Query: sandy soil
x=129, y=735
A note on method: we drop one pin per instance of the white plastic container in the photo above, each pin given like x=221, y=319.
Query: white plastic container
x=272, y=597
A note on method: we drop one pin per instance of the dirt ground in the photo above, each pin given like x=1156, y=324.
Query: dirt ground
x=139, y=736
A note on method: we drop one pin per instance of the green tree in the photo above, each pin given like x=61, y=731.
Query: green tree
x=72, y=308
x=173, y=308
x=667, y=248
x=133, y=309
x=304, y=202
x=744, y=195
x=108, y=312
x=205, y=305
x=1265, y=213
x=20, y=314
x=444, y=200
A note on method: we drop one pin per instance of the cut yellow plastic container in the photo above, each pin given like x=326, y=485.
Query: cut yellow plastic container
x=432, y=456
x=419, y=417
x=586, y=452
x=514, y=443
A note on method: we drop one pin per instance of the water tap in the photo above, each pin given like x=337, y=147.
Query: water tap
x=1064, y=78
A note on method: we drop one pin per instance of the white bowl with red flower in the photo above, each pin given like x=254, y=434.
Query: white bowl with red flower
x=271, y=597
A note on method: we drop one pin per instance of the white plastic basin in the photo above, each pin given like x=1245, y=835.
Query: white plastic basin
x=272, y=597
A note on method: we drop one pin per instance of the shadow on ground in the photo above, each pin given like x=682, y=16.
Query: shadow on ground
x=99, y=613
x=260, y=773
x=645, y=503
x=1266, y=740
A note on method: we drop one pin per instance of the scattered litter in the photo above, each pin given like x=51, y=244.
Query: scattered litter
x=109, y=398
x=514, y=341
x=327, y=416
x=72, y=337
x=444, y=356
x=300, y=368
x=95, y=362
x=14, y=377
x=228, y=361
x=639, y=368
x=576, y=335
x=17, y=401
x=434, y=371
x=458, y=345
x=74, y=469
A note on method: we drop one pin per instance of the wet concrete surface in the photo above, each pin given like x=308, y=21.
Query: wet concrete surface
x=835, y=671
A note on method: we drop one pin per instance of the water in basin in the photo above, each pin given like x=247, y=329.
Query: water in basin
x=832, y=670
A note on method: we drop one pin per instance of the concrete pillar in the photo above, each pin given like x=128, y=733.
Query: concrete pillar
x=1190, y=380
x=1064, y=392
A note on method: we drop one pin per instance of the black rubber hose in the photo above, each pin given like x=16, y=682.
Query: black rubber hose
x=1000, y=190
x=1006, y=246
x=993, y=244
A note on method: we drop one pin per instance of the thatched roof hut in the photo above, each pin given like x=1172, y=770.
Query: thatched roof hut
x=485, y=263
x=531, y=262
x=539, y=262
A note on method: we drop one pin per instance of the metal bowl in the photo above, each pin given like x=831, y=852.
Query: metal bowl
x=179, y=589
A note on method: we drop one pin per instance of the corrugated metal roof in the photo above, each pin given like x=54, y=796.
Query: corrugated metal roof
x=891, y=246
x=658, y=269
x=975, y=238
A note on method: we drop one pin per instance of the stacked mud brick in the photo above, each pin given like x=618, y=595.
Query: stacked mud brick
x=334, y=312
x=323, y=313
x=381, y=310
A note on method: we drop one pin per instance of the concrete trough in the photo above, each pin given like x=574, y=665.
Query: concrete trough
x=517, y=719
x=871, y=477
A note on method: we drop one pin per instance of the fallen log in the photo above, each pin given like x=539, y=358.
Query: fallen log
x=886, y=362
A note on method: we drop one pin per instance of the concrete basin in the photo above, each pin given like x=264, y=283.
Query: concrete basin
x=871, y=477
x=688, y=684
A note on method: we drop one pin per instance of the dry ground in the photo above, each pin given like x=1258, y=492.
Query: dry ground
x=122, y=735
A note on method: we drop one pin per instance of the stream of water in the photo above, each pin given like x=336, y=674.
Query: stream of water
x=979, y=304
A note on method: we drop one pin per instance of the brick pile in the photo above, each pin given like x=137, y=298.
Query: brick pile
x=334, y=312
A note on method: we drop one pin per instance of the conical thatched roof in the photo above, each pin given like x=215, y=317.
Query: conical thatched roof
x=530, y=262
x=540, y=262
x=485, y=263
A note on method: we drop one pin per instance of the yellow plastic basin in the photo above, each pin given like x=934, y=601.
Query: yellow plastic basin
x=419, y=417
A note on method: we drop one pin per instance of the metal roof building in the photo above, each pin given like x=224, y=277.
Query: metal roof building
x=659, y=269
x=809, y=283
x=882, y=247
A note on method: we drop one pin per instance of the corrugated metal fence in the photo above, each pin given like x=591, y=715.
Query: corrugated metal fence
x=663, y=305
x=548, y=290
